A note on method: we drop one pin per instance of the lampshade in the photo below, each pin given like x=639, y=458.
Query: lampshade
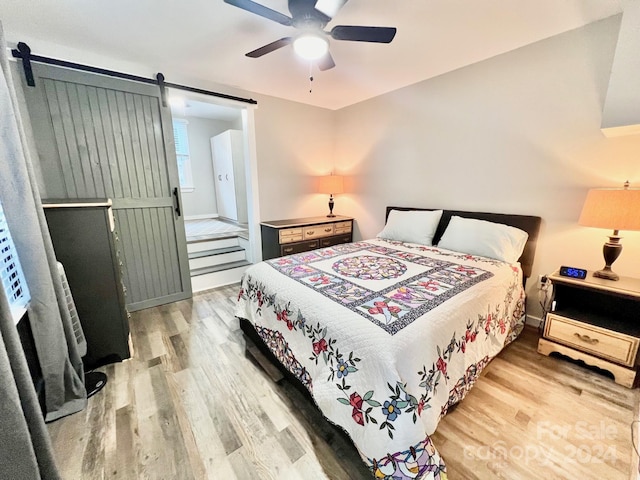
x=615, y=209
x=331, y=184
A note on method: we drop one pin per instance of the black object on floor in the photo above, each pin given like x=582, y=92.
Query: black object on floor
x=93, y=382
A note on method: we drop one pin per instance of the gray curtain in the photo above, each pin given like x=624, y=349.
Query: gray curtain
x=24, y=441
x=49, y=319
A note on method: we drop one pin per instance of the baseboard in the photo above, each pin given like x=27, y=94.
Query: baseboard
x=233, y=222
x=204, y=216
x=533, y=321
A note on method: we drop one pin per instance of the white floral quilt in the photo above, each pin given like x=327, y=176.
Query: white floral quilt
x=386, y=336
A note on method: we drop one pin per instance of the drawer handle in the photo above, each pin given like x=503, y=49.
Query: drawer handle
x=327, y=230
x=310, y=232
x=586, y=338
x=288, y=250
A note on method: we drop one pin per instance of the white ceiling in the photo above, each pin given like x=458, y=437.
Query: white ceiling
x=205, y=40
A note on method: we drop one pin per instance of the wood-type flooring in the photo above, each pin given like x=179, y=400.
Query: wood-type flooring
x=191, y=405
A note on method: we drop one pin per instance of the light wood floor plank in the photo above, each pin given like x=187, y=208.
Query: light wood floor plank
x=70, y=434
x=94, y=454
x=207, y=442
x=191, y=405
x=126, y=465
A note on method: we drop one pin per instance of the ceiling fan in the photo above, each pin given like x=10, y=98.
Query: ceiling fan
x=311, y=17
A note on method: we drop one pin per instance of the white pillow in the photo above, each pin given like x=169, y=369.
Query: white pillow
x=414, y=226
x=487, y=239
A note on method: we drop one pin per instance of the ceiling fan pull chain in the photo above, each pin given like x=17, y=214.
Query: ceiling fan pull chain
x=310, y=77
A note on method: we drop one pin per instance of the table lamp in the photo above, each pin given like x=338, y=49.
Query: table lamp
x=615, y=209
x=331, y=184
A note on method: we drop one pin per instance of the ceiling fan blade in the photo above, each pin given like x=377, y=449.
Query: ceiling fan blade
x=330, y=7
x=326, y=62
x=363, y=34
x=261, y=10
x=270, y=47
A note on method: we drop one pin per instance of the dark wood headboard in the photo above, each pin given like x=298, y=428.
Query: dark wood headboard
x=528, y=223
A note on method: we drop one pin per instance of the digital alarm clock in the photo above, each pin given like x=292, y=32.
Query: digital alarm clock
x=573, y=272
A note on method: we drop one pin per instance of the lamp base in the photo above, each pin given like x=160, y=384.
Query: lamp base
x=331, y=206
x=611, y=251
x=607, y=274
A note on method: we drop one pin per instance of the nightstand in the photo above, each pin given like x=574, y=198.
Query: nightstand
x=296, y=235
x=596, y=321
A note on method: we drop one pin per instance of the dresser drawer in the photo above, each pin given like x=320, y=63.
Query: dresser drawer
x=299, y=247
x=601, y=342
x=342, y=227
x=289, y=235
x=336, y=240
x=318, y=231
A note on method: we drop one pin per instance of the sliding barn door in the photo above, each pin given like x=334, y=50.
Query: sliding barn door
x=103, y=137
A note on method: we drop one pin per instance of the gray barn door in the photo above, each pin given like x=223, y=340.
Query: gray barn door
x=103, y=137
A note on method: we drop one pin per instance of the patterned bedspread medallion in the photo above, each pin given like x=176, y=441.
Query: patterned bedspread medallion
x=389, y=287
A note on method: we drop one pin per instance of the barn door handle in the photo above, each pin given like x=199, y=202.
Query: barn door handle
x=177, y=207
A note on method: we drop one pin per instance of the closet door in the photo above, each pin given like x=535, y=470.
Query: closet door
x=103, y=137
x=222, y=151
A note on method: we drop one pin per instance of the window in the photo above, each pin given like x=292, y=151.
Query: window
x=13, y=281
x=181, y=140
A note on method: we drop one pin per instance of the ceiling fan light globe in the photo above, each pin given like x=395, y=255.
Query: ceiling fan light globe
x=311, y=47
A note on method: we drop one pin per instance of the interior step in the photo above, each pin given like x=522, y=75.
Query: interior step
x=215, y=277
x=215, y=251
x=194, y=246
x=215, y=257
x=217, y=268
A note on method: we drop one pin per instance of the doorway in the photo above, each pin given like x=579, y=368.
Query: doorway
x=215, y=159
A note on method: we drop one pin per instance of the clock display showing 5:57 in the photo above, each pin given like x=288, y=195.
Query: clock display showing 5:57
x=573, y=272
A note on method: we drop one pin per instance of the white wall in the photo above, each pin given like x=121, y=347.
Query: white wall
x=295, y=144
x=202, y=201
x=518, y=133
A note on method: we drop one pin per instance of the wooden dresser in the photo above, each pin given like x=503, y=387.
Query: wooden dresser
x=286, y=237
x=596, y=321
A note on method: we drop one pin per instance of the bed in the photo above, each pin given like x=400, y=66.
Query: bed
x=387, y=334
